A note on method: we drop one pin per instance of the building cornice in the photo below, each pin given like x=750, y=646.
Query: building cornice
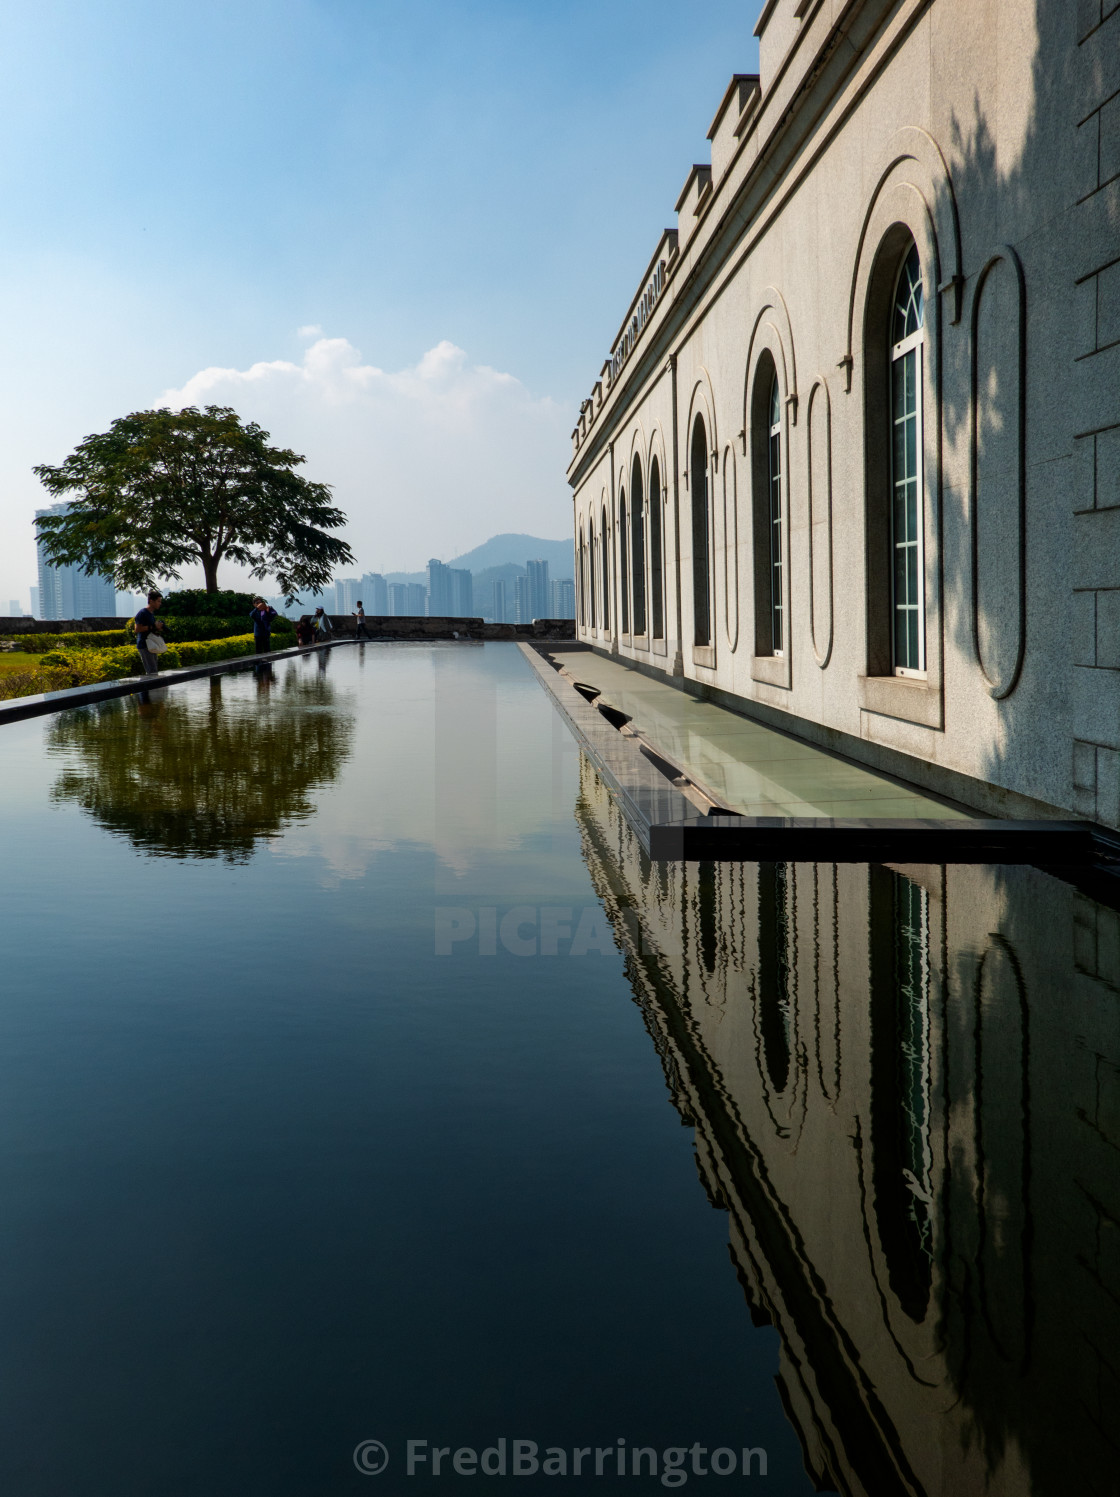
x=753, y=191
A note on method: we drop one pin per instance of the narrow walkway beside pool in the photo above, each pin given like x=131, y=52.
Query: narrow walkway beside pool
x=749, y=768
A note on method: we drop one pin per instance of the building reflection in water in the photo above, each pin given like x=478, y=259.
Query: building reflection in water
x=209, y=772
x=905, y=1088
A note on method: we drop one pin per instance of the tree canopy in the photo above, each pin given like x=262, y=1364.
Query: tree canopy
x=163, y=489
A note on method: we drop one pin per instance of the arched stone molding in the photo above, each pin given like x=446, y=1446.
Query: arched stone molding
x=730, y=548
x=771, y=345
x=702, y=402
x=581, y=601
x=899, y=213
x=772, y=329
x=638, y=448
x=998, y=475
x=606, y=565
x=818, y=468
x=911, y=160
x=638, y=586
x=655, y=451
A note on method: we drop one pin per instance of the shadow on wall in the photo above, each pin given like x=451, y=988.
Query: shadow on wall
x=1024, y=455
x=191, y=776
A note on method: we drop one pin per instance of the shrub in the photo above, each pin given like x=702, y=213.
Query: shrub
x=29, y=682
x=174, y=630
x=196, y=602
x=40, y=644
x=56, y=669
x=198, y=652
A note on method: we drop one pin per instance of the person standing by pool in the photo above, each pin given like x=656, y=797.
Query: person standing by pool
x=262, y=615
x=323, y=630
x=360, y=624
x=146, y=625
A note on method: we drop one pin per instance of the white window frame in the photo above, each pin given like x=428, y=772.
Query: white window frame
x=778, y=611
x=913, y=343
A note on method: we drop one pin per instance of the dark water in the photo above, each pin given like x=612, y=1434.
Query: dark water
x=360, y=1080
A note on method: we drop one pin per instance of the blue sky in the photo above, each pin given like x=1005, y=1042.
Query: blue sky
x=401, y=235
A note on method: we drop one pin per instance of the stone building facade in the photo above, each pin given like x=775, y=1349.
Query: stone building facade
x=853, y=464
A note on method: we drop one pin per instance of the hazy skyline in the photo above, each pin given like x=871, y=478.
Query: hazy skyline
x=402, y=238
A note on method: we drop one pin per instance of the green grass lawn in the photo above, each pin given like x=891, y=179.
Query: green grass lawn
x=14, y=661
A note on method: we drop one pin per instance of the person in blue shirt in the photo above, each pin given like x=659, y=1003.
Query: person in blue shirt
x=261, y=617
x=146, y=625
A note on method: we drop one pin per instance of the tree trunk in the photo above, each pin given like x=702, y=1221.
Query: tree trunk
x=210, y=572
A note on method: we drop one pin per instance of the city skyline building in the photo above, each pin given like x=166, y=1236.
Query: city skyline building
x=540, y=600
x=450, y=591
x=407, y=600
x=375, y=594
x=347, y=591
x=562, y=598
x=69, y=592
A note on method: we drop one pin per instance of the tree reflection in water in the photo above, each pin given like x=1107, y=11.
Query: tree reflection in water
x=187, y=775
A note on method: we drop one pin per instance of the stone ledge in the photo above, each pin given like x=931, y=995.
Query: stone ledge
x=18, y=709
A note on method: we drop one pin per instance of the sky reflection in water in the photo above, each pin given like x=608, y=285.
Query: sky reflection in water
x=282, y=1176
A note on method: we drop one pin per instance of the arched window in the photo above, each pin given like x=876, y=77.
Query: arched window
x=582, y=577
x=656, y=578
x=592, y=611
x=701, y=538
x=768, y=511
x=774, y=456
x=623, y=581
x=907, y=508
x=638, y=548
x=605, y=535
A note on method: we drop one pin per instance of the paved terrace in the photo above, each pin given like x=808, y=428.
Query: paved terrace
x=742, y=765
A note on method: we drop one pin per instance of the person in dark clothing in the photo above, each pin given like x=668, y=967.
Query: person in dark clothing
x=305, y=632
x=360, y=621
x=261, y=617
x=146, y=625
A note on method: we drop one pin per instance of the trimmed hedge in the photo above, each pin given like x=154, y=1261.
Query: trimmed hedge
x=174, y=630
x=60, y=668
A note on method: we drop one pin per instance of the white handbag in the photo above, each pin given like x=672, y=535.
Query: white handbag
x=154, y=644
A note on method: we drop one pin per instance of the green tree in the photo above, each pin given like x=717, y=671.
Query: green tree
x=163, y=489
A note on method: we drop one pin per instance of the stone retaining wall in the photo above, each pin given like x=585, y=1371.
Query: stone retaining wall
x=26, y=625
x=411, y=627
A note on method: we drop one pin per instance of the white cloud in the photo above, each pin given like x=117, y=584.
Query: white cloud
x=425, y=461
x=309, y=330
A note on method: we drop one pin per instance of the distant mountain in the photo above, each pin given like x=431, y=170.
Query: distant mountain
x=505, y=552
x=516, y=550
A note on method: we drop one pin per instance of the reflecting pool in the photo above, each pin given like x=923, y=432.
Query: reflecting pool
x=362, y=1081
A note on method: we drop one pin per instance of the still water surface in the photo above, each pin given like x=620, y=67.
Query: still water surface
x=361, y=1080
